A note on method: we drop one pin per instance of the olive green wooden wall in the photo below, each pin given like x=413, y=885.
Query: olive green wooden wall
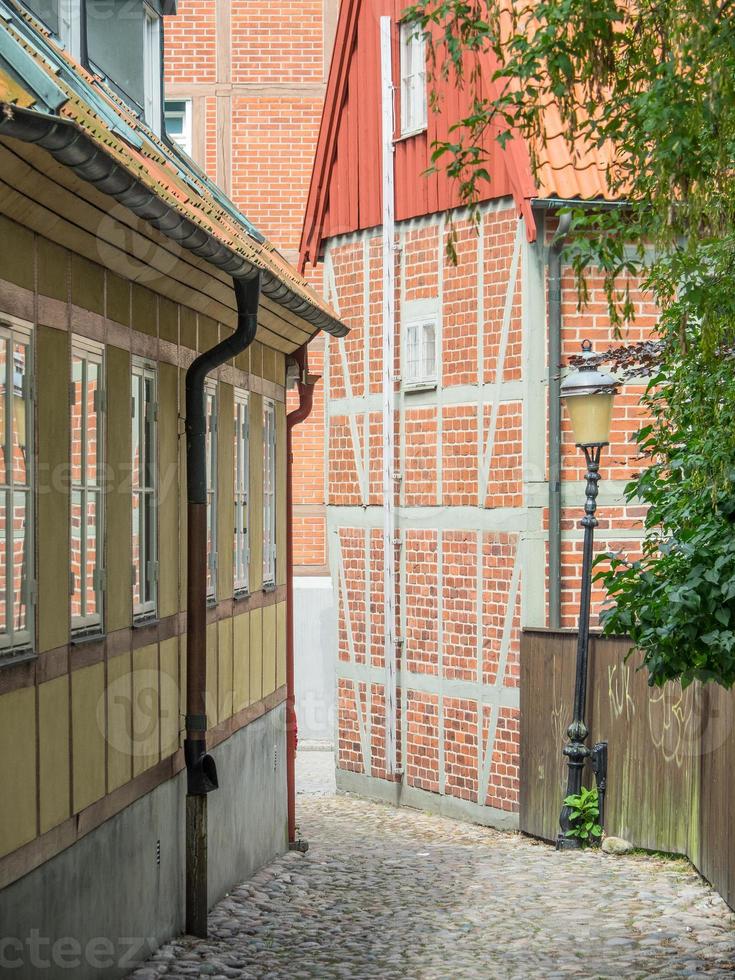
x=95, y=725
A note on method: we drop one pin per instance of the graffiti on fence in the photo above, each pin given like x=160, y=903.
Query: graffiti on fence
x=618, y=689
x=674, y=717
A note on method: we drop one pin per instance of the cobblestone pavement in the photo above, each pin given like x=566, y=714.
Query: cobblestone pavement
x=386, y=893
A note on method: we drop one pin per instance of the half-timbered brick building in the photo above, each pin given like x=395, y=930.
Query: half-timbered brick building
x=446, y=534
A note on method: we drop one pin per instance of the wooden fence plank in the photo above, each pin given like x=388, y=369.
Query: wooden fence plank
x=670, y=752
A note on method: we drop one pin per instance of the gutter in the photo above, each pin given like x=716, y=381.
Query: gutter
x=201, y=771
x=70, y=145
x=306, y=385
x=554, y=288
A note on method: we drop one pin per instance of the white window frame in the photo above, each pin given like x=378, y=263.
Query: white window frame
x=90, y=352
x=185, y=141
x=414, y=102
x=269, y=493
x=152, y=69
x=421, y=316
x=242, y=493
x=146, y=424
x=211, y=402
x=12, y=640
x=70, y=27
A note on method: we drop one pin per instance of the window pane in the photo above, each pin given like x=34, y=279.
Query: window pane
x=269, y=480
x=91, y=549
x=144, y=501
x=412, y=353
x=429, y=366
x=210, y=544
x=86, y=498
x=136, y=407
x=4, y=570
x=20, y=561
x=210, y=405
x=47, y=11
x=91, y=442
x=4, y=471
x=77, y=413
x=115, y=40
x=77, y=557
x=137, y=543
x=149, y=465
x=176, y=107
x=149, y=526
x=174, y=124
x=18, y=435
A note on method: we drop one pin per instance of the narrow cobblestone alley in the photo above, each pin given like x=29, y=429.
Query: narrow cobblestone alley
x=386, y=893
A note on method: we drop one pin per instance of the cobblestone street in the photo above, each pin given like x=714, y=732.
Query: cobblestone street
x=386, y=893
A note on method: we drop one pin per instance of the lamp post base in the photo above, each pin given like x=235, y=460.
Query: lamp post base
x=568, y=843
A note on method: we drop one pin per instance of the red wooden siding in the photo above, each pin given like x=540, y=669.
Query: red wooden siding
x=355, y=200
x=346, y=186
x=345, y=191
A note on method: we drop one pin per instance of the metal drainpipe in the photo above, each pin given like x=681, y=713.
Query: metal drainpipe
x=306, y=397
x=200, y=767
x=555, y=251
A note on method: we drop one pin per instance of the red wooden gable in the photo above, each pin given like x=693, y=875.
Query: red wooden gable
x=345, y=192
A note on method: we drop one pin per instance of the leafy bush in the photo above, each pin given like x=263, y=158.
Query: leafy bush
x=677, y=602
x=584, y=811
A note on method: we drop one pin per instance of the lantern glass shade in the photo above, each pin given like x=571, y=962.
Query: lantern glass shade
x=591, y=416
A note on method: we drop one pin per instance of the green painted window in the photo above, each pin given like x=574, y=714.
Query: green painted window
x=17, y=589
x=269, y=492
x=242, y=481
x=87, y=573
x=144, y=490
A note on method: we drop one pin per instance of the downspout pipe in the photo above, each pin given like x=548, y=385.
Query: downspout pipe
x=201, y=772
x=305, y=386
x=554, y=301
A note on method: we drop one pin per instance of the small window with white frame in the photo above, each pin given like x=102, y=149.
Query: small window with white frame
x=144, y=489
x=420, y=343
x=87, y=573
x=413, y=78
x=269, y=493
x=210, y=409
x=177, y=115
x=17, y=583
x=242, y=482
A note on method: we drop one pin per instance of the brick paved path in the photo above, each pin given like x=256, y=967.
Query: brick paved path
x=385, y=893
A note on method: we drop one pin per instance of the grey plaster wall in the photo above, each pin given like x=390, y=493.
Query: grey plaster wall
x=315, y=654
x=103, y=905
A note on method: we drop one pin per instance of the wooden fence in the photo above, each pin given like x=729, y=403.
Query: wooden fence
x=671, y=755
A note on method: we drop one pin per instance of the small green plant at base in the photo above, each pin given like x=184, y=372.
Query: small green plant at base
x=584, y=811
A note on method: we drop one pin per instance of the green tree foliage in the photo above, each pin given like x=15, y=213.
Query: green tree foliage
x=650, y=86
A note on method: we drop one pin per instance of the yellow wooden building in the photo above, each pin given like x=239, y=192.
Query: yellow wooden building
x=117, y=259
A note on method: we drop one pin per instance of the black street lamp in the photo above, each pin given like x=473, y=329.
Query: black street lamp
x=588, y=395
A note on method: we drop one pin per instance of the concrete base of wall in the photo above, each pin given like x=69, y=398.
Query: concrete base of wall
x=101, y=906
x=420, y=799
x=315, y=649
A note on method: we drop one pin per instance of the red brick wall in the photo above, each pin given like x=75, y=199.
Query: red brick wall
x=472, y=497
x=256, y=76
